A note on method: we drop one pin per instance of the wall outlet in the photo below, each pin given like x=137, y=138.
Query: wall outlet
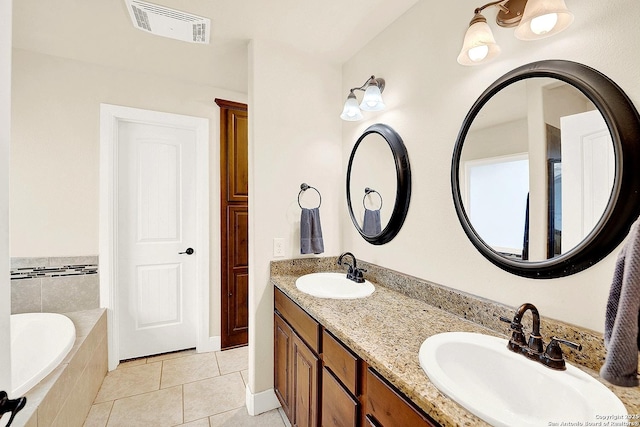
x=278, y=247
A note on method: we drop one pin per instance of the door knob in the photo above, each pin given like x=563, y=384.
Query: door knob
x=189, y=251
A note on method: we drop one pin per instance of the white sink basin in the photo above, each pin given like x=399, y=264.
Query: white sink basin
x=333, y=285
x=507, y=389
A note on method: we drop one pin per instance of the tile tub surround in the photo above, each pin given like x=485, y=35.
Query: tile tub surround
x=54, y=284
x=64, y=397
x=387, y=329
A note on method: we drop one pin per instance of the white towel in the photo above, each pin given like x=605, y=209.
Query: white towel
x=622, y=318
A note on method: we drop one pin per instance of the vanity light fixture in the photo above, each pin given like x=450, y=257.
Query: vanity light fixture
x=534, y=19
x=371, y=101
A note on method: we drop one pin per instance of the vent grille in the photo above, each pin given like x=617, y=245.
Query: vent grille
x=165, y=22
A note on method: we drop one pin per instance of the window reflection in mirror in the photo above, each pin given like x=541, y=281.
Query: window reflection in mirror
x=554, y=201
x=373, y=167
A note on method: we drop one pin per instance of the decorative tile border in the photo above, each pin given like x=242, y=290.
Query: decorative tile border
x=40, y=272
x=38, y=268
x=54, y=284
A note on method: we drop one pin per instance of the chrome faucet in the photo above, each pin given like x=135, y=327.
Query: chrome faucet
x=534, y=348
x=353, y=272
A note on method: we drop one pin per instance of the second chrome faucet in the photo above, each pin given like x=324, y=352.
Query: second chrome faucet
x=534, y=347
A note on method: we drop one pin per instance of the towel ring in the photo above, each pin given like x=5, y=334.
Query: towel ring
x=368, y=191
x=304, y=187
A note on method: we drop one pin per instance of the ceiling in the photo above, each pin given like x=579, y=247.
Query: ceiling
x=100, y=32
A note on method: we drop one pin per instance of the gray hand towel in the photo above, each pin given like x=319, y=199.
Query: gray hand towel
x=311, y=232
x=623, y=310
x=371, y=222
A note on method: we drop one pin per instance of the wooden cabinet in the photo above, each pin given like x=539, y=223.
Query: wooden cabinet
x=296, y=362
x=339, y=407
x=305, y=385
x=283, y=343
x=340, y=388
x=386, y=407
x=321, y=382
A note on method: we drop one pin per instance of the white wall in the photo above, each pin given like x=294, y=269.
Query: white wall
x=294, y=137
x=55, y=150
x=5, y=138
x=428, y=95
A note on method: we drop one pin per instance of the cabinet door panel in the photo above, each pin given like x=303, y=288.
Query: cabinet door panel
x=305, y=385
x=339, y=408
x=283, y=337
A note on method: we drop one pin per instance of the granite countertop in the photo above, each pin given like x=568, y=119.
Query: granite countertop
x=386, y=330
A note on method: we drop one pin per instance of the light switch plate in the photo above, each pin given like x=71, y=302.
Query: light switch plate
x=278, y=247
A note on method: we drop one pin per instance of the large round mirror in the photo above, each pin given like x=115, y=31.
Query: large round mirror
x=545, y=171
x=378, y=184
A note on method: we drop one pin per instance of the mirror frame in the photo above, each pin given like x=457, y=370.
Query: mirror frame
x=623, y=208
x=403, y=181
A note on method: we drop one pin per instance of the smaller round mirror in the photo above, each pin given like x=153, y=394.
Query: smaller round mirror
x=378, y=184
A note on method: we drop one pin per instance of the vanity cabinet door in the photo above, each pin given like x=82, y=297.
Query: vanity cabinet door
x=282, y=379
x=305, y=385
x=386, y=407
x=339, y=408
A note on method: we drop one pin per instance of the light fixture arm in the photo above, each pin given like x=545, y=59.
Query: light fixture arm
x=371, y=81
x=499, y=3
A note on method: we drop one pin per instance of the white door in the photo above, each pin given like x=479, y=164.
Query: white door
x=588, y=169
x=156, y=226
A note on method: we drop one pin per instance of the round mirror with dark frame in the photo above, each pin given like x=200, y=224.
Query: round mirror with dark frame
x=546, y=169
x=378, y=184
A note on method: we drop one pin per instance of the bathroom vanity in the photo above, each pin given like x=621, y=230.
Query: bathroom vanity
x=318, y=377
x=355, y=362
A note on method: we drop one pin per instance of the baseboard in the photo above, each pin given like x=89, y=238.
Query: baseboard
x=261, y=402
x=208, y=345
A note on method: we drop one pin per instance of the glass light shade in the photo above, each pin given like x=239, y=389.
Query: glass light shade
x=351, y=112
x=372, y=99
x=543, y=18
x=479, y=46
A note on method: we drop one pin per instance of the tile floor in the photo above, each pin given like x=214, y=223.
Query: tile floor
x=179, y=389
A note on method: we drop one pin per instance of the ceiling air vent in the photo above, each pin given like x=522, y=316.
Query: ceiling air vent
x=165, y=22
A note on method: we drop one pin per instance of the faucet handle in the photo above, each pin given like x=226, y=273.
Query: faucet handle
x=517, y=337
x=358, y=277
x=553, y=356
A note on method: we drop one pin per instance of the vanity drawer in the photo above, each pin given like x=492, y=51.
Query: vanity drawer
x=341, y=361
x=304, y=325
x=388, y=408
x=339, y=408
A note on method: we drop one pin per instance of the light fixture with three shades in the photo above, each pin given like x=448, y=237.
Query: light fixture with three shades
x=534, y=19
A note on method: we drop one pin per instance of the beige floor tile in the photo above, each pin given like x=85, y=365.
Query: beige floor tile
x=240, y=418
x=129, y=382
x=204, y=422
x=245, y=376
x=233, y=360
x=174, y=355
x=213, y=396
x=98, y=415
x=189, y=369
x=132, y=362
x=157, y=408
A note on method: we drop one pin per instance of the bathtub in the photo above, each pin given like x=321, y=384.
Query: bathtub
x=39, y=342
